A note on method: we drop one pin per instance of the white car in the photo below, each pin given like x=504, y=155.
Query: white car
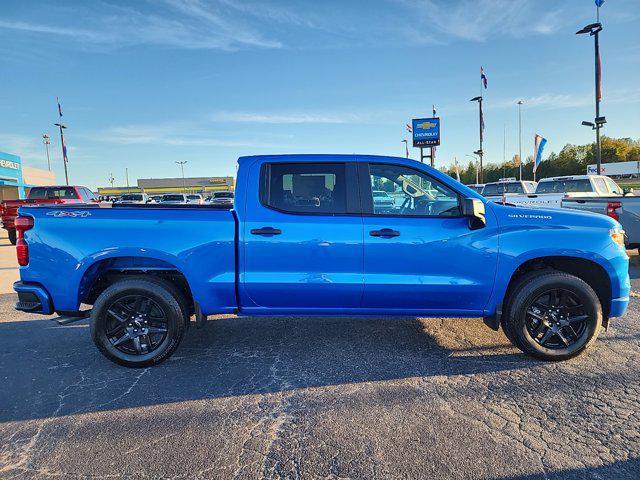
x=550, y=191
x=505, y=188
x=174, y=199
x=195, y=198
x=221, y=198
x=134, y=198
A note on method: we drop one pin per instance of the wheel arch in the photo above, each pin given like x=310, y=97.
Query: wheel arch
x=594, y=274
x=104, y=270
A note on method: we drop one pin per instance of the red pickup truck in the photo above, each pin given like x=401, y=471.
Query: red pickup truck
x=42, y=195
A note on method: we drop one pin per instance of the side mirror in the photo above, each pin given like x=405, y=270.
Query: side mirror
x=473, y=209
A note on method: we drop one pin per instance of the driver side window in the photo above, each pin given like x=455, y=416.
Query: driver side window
x=398, y=190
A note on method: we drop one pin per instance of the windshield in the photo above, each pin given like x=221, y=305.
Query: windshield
x=500, y=188
x=136, y=198
x=223, y=195
x=172, y=198
x=193, y=197
x=564, y=186
x=613, y=186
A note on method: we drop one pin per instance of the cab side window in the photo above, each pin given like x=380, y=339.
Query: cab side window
x=398, y=190
x=305, y=187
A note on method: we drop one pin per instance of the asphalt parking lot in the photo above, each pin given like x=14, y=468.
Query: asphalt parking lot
x=316, y=397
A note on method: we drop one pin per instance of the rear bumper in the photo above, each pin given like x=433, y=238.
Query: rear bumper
x=33, y=298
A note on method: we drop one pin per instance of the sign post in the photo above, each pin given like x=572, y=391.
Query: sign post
x=426, y=133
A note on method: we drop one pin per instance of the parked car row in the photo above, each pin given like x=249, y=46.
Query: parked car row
x=218, y=198
x=591, y=193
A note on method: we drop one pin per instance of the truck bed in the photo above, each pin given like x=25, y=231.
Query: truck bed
x=81, y=242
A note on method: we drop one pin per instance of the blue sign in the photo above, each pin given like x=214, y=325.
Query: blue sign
x=426, y=132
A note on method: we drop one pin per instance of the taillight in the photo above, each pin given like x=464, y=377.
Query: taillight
x=611, y=210
x=22, y=224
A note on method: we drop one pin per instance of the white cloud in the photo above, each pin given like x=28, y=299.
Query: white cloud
x=477, y=20
x=29, y=149
x=573, y=100
x=176, y=135
x=187, y=24
x=283, y=118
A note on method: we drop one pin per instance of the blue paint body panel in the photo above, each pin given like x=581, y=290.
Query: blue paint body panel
x=320, y=264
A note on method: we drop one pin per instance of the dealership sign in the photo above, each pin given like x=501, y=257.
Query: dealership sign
x=9, y=164
x=426, y=132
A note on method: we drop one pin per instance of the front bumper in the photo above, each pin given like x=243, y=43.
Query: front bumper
x=33, y=298
x=618, y=307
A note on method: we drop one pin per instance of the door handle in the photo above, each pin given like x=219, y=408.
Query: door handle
x=385, y=232
x=266, y=231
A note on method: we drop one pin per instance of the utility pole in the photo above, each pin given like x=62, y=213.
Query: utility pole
x=182, y=163
x=406, y=147
x=479, y=152
x=46, y=139
x=520, y=102
x=593, y=30
x=64, y=147
x=111, y=179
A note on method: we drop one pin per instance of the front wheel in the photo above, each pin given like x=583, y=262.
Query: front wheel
x=138, y=322
x=552, y=316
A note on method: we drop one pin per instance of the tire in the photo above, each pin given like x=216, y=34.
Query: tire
x=13, y=237
x=125, y=307
x=527, y=315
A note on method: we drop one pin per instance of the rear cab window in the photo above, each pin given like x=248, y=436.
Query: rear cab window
x=53, y=193
x=564, y=186
x=312, y=188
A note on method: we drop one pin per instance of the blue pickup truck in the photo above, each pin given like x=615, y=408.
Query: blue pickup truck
x=305, y=236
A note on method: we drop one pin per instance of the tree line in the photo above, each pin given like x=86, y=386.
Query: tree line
x=571, y=160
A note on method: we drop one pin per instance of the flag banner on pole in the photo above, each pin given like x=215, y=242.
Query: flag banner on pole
x=409, y=129
x=483, y=77
x=598, y=77
x=599, y=3
x=59, y=107
x=537, y=153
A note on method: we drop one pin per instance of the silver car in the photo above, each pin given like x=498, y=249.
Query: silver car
x=174, y=199
x=221, y=198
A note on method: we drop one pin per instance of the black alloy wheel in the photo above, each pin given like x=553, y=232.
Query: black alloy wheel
x=136, y=325
x=139, y=321
x=556, y=319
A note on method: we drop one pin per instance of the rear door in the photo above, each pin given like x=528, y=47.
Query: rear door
x=302, y=238
x=422, y=256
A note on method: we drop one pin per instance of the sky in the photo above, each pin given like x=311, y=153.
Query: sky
x=144, y=84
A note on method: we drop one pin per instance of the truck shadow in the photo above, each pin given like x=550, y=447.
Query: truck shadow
x=50, y=370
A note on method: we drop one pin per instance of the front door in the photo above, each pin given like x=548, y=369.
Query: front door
x=419, y=253
x=303, y=240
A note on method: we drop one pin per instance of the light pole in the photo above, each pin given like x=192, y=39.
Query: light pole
x=479, y=152
x=46, y=139
x=126, y=173
x=520, y=102
x=593, y=30
x=406, y=147
x=182, y=164
x=64, y=151
x=111, y=179
x=475, y=159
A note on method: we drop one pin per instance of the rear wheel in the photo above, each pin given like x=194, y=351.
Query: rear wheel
x=138, y=322
x=553, y=316
x=13, y=238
